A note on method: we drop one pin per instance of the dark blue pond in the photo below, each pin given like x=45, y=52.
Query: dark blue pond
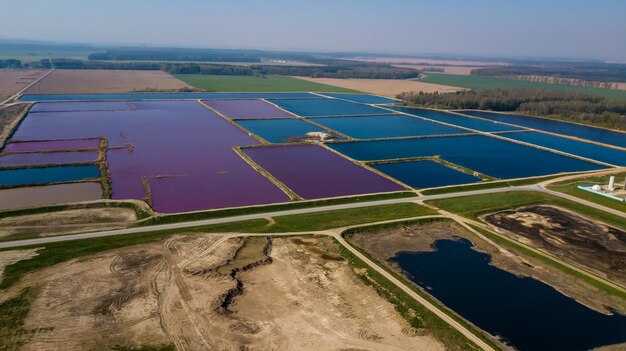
x=43, y=175
x=162, y=96
x=527, y=313
x=467, y=122
x=425, y=174
x=491, y=156
x=279, y=130
x=580, y=148
x=326, y=107
x=584, y=132
x=371, y=127
x=362, y=98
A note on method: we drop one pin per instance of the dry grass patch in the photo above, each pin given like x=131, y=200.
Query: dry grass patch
x=384, y=87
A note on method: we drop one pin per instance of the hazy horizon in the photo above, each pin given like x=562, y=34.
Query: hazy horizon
x=556, y=29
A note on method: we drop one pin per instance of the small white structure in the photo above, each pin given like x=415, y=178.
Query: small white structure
x=319, y=136
x=611, y=190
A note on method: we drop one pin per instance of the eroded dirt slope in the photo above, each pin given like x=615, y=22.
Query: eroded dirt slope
x=216, y=292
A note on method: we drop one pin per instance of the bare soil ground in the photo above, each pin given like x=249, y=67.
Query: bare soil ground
x=568, y=236
x=68, y=81
x=65, y=222
x=384, y=244
x=384, y=87
x=213, y=292
x=14, y=80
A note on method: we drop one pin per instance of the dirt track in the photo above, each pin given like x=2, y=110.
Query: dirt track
x=68, y=81
x=13, y=80
x=287, y=293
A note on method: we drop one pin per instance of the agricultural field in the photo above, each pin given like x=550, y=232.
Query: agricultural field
x=385, y=87
x=182, y=152
x=80, y=81
x=14, y=80
x=484, y=82
x=257, y=84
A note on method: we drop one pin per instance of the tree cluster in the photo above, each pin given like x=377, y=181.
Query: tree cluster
x=343, y=70
x=170, y=55
x=10, y=63
x=588, y=71
x=574, y=107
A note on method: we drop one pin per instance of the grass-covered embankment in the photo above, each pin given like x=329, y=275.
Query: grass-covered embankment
x=195, y=216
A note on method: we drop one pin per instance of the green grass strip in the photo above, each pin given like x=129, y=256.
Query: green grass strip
x=270, y=83
x=185, y=217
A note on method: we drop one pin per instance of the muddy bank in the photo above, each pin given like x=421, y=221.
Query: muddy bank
x=567, y=235
x=384, y=244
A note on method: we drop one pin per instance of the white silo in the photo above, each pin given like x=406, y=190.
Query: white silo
x=611, y=186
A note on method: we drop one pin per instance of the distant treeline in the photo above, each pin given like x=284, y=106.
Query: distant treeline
x=589, y=71
x=342, y=70
x=172, y=55
x=573, y=107
x=10, y=63
x=570, y=82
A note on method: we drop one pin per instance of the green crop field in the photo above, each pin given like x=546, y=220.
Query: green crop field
x=483, y=82
x=256, y=84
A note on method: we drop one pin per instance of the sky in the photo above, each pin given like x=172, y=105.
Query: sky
x=507, y=28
